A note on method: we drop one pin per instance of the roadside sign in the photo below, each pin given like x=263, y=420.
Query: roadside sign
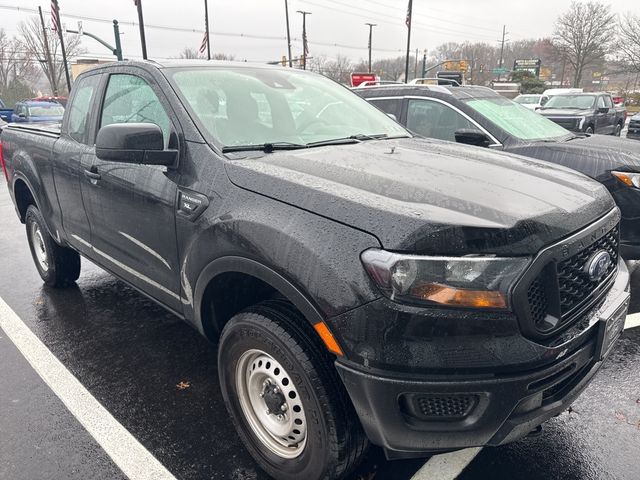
x=360, y=78
x=500, y=71
x=531, y=65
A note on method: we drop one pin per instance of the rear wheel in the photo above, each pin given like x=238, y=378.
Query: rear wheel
x=618, y=130
x=58, y=266
x=285, y=397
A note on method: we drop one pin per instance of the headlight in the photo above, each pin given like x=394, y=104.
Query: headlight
x=628, y=178
x=473, y=281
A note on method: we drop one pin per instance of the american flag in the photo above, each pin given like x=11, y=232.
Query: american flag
x=203, y=45
x=55, y=16
x=407, y=20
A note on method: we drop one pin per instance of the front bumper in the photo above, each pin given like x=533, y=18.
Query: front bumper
x=416, y=414
x=634, y=131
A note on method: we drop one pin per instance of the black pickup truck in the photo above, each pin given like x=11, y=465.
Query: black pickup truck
x=362, y=285
x=585, y=112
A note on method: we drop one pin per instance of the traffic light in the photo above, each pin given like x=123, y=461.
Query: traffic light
x=464, y=66
x=481, y=68
x=284, y=60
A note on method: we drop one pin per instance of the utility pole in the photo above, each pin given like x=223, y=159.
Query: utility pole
x=305, y=44
x=54, y=4
x=206, y=27
x=54, y=82
x=371, y=25
x=116, y=33
x=504, y=33
x=415, y=67
x=424, y=63
x=286, y=13
x=143, y=41
x=408, y=24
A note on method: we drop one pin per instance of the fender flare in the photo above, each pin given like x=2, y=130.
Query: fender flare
x=237, y=264
x=18, y=175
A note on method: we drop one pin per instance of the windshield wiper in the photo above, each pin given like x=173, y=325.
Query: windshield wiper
x=265, y=147
x=357, y=138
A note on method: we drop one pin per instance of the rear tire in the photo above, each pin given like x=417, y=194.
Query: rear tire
x=618, y=130
x=271, y=346
x=58, y=266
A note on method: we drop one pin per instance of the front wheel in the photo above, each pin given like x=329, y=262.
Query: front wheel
x=58, y=266
x=589, y=130
x=285, y=397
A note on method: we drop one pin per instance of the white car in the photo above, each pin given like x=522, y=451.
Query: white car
x=531, y=101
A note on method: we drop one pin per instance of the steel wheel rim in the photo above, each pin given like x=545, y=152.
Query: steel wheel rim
x=284, y=430
x=39, y=247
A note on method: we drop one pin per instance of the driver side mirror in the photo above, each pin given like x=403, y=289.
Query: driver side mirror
x=603, y=110
x=141, y=143
x=469, y=136
x=392, y=116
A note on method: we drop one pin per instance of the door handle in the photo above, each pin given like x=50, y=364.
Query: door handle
x=92, y=175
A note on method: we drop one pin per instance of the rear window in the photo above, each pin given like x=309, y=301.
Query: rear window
x=46, y=111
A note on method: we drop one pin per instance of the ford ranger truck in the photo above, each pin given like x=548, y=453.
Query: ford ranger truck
x=361, y=285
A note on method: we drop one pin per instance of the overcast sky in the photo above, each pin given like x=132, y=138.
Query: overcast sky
x=255, y=29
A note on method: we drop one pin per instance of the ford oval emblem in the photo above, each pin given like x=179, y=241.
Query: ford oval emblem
x=597, y=265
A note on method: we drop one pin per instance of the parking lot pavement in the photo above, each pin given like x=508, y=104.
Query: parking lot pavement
x=157, y=378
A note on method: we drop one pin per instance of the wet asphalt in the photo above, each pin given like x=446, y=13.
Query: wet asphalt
x=131, y=355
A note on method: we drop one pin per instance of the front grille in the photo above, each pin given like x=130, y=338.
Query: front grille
x=449, y=406
x=568, y=123
x=563, y=287
x=575, y=284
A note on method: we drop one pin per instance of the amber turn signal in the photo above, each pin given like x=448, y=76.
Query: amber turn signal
x=328, y=339
x=443, y=294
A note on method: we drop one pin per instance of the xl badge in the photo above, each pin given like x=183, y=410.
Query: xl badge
x=598, y=265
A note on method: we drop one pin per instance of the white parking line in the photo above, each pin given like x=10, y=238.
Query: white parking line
x=632, y=321
x=446, y=466
x=127, y=453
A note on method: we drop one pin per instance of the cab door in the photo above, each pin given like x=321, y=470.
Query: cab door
x=131, y=207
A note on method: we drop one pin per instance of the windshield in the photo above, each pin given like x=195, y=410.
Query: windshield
x=46, y=111
x=527, y=99
x=517, y=120
x=581, y=102
x=255, y=106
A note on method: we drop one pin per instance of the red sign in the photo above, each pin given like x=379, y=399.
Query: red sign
x=359, y=78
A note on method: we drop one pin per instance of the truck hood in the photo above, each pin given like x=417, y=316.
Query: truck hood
x=564, y=112
x=430, y=197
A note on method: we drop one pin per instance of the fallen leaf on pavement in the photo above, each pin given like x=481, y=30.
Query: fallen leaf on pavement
x=183, y=385
x=620, y=416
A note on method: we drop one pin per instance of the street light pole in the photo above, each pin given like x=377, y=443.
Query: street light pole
x=206, y=27
x=47, y=52
x=371, y=25
x=143, y=41
x=305, y=45
x=286, y=13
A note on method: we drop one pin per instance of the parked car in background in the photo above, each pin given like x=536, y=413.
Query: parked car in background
x=33, y=111
x=61, y=100
x=585, y=112
x=5, y=113
x=532, y=101
x=479, y=116
x=360, y=284
x=634, y=127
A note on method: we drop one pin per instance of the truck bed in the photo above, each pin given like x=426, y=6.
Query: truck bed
x=48, y=129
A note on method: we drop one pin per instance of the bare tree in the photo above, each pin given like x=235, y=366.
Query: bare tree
x=18, y=73
x=584, y=35
x=189, y=53
x=630, y=40
x=32, y=41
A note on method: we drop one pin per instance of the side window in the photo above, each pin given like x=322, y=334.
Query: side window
x=544, y=100
x=130, y=99
x=79, y=107
x=435, y=120
x=601, y=102
x=608, y=102
x=389, y=105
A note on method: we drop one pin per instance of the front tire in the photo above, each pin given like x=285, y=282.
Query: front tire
x=58, y=266
x=285, y=397
x=589, y=130
x=618, y=130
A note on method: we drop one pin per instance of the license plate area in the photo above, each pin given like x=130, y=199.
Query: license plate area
x=611, y=325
